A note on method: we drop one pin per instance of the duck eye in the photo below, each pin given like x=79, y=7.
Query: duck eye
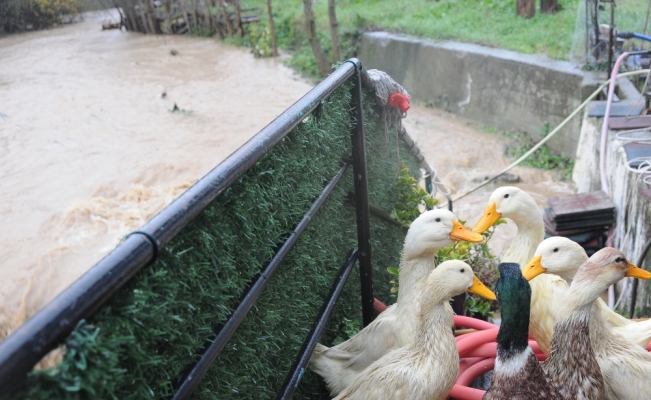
x=619, y=259
x=506, y=196
x=462, y=270
x=438, y=220
x=555, y=250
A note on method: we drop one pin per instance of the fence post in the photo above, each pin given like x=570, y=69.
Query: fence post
x=361, y=198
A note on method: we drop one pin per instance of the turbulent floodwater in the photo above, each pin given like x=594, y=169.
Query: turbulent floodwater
x=89, y=149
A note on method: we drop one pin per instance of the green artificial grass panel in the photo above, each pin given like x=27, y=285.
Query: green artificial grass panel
x=143, y=340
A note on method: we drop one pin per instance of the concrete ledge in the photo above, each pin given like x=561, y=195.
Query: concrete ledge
x=499, y=88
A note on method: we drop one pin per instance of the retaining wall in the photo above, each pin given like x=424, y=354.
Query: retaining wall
x=499, y=88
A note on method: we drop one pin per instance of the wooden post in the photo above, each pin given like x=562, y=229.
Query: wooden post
x=526, y=8
x=150, y=17
x=319, y=55
x=227, y=15
x=334, y=31
x=272, y=29
x=185, y=15
x=549, y=6
x=238, y=17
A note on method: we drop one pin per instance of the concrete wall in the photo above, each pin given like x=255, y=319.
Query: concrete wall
x=499, y=88
x=633, y=210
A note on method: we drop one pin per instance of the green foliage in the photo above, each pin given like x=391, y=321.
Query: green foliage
x=22, y=15
x=259, y=39
x=394, y=282
x=412, y=198
x=143, y=340
x=542, y=158
x=483, y=263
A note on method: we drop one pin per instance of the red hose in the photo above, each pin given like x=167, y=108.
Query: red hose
x=472, y=323
x=378, y=305
x=476, y=339
x=468, y=362
x=465, y=393
x=476, y=370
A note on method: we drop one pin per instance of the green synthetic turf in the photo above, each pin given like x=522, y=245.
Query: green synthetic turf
x=140, y=343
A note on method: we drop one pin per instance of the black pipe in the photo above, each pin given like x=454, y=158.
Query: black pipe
x=640, y=261
x=296, y=372
x=361, y=198
x=49, y=327
x=199, y=370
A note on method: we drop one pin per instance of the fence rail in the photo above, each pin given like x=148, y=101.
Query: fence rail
x=50, y=326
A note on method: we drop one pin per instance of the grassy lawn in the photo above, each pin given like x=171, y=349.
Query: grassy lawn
x=488, y=22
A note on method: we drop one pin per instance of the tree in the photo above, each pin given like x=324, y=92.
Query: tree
x=334, y=31
x=526, y=8
x=319, y=54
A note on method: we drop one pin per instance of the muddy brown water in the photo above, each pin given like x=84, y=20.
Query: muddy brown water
x=89, y=149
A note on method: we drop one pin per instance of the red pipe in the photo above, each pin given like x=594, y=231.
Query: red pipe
x=472, y=323
x=476, y=370
x=468, y=362
x=470, y=341
x=465, y=393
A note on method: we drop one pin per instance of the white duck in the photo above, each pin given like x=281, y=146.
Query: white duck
x=515, y=204
x=564, y=257
x=395, y=327
x=623, y=368
x=426, y=368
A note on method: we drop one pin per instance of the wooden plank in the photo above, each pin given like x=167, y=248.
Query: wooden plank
x=563, y=206
x=624, y=123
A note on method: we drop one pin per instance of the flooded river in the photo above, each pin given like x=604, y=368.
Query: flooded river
x=90, y=148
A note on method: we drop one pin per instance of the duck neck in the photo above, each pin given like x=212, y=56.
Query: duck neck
x=512, y=339
x=531, y=232
x=413, y=275
x=435, y=319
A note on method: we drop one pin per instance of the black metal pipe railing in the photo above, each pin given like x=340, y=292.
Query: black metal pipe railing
x=49, y=327
x=197, y=373
x=361, y=199
x=296, y=372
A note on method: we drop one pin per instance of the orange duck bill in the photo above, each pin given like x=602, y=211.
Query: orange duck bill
x=480, y=289
x=635, y=272
x=488, y=219
x=460, y=232
x=534, y=268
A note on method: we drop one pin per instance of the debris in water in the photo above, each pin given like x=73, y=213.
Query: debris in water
x=174, y=52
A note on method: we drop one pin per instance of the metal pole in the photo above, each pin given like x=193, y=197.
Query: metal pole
x=297, y=370
x=361, y=198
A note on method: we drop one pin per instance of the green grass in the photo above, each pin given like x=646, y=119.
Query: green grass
x=488, y=22
x=543, y=158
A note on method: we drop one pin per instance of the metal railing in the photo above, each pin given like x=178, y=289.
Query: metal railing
x=50, y=326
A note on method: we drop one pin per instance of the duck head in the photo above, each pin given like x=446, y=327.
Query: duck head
x=606, y=267
x=556, y=255
x=432, y=231
x=509, y=202
x=454, y=277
